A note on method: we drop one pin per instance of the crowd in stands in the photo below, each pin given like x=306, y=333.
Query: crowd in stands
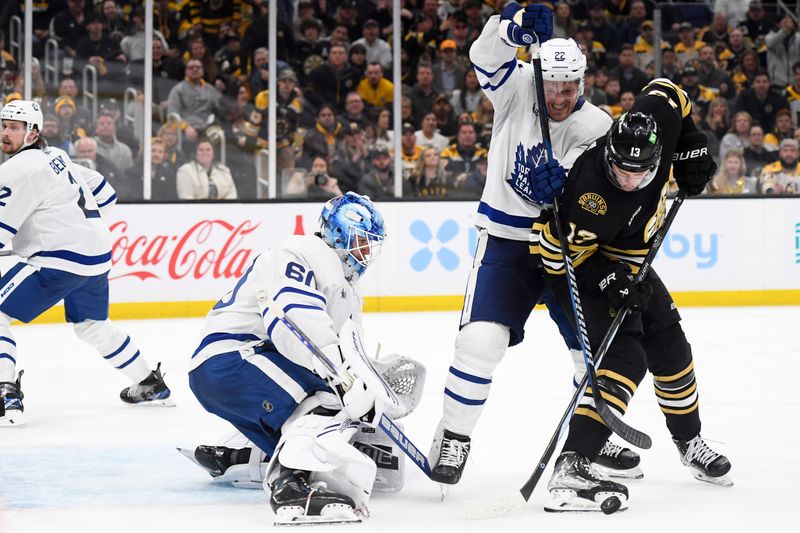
x=738, y=61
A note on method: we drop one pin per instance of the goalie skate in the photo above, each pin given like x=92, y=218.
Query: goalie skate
x=576, y=487
x=704, y=463
x=150, y=392
x=11, y=408
x=228, y=465
x=296, y=502
x=619, y=462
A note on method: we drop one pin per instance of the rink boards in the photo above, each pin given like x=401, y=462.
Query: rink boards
x=177, y=259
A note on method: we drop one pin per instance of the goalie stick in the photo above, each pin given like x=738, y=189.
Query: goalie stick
x=630, y=434
x=370, y=376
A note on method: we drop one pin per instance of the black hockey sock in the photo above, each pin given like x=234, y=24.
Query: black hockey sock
x=586, y=436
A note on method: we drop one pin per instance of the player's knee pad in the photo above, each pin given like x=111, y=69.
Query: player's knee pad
x=480, y=346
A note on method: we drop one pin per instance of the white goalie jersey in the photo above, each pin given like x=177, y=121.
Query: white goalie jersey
x=516, y=145
x=51, y=213
x=305, y=278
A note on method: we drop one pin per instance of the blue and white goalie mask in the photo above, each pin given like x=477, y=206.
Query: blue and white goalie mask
x=354, y=229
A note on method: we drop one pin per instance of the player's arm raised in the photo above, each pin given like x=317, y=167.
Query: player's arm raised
x=494, y=53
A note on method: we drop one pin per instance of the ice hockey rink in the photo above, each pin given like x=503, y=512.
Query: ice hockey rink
x=85, y=462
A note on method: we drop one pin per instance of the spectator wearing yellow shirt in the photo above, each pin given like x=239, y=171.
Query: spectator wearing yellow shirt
x=374, y=89
x=782, y=176
x=410, y=151
x=688, y=48
x=784, y=129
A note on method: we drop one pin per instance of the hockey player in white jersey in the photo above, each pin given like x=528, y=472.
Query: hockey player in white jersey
x=502, y=289
x=52, y=217
x=250, y=369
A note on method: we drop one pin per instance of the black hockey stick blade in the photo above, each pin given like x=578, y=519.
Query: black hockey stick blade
x=618, y=426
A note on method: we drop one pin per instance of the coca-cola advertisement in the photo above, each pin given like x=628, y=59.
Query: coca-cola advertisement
x=194, y=252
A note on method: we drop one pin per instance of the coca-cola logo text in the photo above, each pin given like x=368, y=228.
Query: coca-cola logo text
x=208, y=248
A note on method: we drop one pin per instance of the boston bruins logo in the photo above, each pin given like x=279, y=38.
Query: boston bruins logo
x=594, y=203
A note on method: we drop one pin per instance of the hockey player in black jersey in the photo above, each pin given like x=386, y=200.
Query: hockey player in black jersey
x=614, y=201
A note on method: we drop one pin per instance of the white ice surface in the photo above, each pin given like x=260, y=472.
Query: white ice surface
x=85, y=462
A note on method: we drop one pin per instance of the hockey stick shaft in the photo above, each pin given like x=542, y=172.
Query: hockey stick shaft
x=644, y=269
x=386, y=424
x=630, y=434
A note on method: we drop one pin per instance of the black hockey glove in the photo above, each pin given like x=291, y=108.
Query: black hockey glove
x=616, y=283
x=692, y=165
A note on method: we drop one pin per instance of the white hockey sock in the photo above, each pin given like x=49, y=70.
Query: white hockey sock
x=115, y=346
x=479, y=348
x=8, y=350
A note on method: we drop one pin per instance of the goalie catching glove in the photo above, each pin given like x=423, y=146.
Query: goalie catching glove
x=693, y=167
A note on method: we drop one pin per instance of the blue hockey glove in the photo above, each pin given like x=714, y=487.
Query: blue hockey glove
x=548, y=181
x=522, y=23
x=541, y=185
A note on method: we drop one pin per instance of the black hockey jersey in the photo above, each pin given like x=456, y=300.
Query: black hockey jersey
x=599, y=216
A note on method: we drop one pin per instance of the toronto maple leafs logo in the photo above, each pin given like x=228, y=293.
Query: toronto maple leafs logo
x=524, y=163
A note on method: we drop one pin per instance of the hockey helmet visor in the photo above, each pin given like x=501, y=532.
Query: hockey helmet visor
x=633, y=144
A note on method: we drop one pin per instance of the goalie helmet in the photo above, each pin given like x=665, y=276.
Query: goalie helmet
x=633, y=144
x=563, y=60
x=354, y=229
x=25, y=111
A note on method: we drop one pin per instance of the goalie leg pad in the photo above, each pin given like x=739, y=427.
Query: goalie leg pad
x=480, y=346
x=321, y=445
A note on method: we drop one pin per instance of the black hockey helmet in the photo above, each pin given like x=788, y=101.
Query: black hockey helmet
x=633, y=144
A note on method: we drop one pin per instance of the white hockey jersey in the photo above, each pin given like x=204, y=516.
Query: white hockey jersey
x=306, y=279
x=516, y=144
x=50, y=212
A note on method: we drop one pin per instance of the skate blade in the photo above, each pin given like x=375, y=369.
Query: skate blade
x=630, y=473
x=13, y=419
x=722, y=481
x=568, y=501
x=334, y=513
x=444, y=490
x=166, y=402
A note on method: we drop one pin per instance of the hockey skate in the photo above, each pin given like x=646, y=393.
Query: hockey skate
x=11, y=408
x=705, y=464
x=230, y=465
x=619, y=462
x=575, y=486
x=296, y=502
x=450, y=450
x=151, y=391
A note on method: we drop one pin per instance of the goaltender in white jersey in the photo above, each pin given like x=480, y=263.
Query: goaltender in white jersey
x=251, y=369
x=502, y=288
x=52, y=216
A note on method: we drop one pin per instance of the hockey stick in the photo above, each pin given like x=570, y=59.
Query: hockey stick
x=658, y=239
x=386, y=424
x=504, y=505
x=630, y=434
